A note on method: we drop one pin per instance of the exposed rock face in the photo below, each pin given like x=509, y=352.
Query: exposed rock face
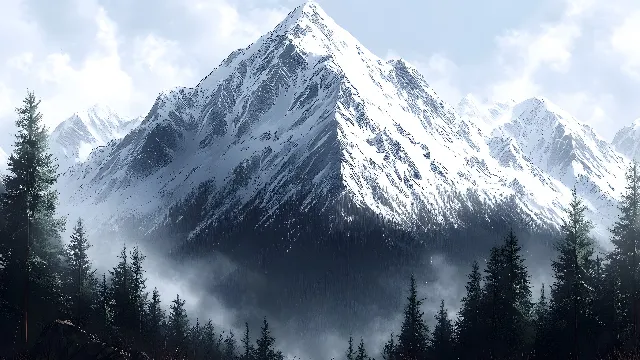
x=61, y=340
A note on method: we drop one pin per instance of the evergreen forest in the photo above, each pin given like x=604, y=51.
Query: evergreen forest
x=590, y=311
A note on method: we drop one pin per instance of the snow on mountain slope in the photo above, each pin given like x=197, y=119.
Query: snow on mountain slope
x=627, y=140
x=73, y=139
x=306, y=112
x=487, y=116
x=543, y=135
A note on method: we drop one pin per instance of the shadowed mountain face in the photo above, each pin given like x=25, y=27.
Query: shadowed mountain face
x=322, y=176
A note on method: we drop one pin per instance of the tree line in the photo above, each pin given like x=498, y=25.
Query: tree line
x=590, y=311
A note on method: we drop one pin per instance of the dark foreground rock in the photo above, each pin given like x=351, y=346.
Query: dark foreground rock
x=61, y=340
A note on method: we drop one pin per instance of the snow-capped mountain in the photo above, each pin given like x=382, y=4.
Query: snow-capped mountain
x=539, y=133
x=487, y=116
x=307, y=113
x=73, y=139
x=627, y=140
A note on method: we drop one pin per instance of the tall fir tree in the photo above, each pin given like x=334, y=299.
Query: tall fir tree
x=195, y=341
x=103, y=315
x=469, y=339
x=249, y=350
x=442, y=346
x=606, y=305
x=211, y=347
x=265, y=345
x=154, y=331
x=624, y=260
x=138, y=296
x=120, y=293
x=361, y=354
x=572, y=291
x=351, y=353
x=32, y=246
x=177, y=328
x=542, y=326
x=230, y=347
x=389, y=350
x=507, y=302
x=81, y=282
x=413, y=341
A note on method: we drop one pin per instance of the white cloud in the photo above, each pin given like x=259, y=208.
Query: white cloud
x=523, y=53
x=120, y=58
x=624, y=41
x=98, y=79
x=6, y=105
x=162, y=59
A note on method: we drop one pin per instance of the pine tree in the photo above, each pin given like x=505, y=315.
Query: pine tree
x=249, y=350
x=154, y=321
x=81, y=282
x=230, y=347
x=138, y=297
x=442, y=339
x=31, y=243
x=572, y=291
x=469, y=324
x=120, y=292
x=542, y=326
x=361, y=354
x=507, y=301
x=350, y=351
x=211, y=347
x=177, y=328
x=624, y=259
x=517, y=293
x=605, y=307
x=389, y=349
x=195, y=340
x=265, y=345
x=413, y=341
x=104, y=316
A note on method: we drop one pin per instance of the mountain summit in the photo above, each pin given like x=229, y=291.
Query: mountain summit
x=320, y=171
x=307, y=117
x=627, y=140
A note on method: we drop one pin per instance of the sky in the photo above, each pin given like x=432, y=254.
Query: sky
x=581, y=54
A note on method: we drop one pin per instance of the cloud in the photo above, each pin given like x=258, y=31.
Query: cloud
x=521, y=53
x=624, y=41
x=104, y=52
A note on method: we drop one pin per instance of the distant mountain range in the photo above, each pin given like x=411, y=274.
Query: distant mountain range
x=73, y=139
x=307, y=112
x=322, y=172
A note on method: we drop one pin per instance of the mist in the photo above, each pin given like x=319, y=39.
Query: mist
x=439, y=278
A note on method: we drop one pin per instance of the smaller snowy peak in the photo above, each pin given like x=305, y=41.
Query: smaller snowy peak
x=562, y=146
x=73, y=139
x=486, y=115
x=627, y=140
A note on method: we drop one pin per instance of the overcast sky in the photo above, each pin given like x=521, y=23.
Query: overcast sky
x=582, y=54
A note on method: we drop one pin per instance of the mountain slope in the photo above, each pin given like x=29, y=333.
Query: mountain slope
x=627, y=140
x=322, y=173
x=305, y=112
x=73, y=139
x=541, y=134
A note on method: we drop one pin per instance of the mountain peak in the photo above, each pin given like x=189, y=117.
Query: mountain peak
x=309, y=8
x=74, y=138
